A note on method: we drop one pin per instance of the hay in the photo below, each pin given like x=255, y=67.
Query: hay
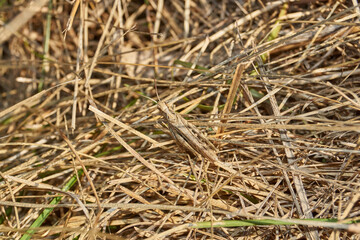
x=85, y=152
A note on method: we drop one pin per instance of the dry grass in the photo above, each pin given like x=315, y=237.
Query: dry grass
x=274, y=87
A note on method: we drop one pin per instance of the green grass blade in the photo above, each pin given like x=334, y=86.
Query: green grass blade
x=42, y=217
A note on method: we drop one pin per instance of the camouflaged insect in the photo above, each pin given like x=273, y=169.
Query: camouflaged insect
x=187, y=135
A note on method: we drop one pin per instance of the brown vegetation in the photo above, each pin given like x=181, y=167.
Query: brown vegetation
x=257, y=121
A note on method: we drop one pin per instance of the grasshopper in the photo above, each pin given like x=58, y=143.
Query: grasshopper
x=186, y=134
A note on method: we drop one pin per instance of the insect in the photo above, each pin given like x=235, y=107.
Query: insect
x=186, y=134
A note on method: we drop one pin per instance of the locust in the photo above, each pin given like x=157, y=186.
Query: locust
x=186, y=134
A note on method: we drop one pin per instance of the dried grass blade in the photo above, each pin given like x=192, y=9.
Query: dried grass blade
x=137, y=155
x=82, y=166
x=27, y=13
x=301, y=197
x=50, y=188
x=232, y=92
x=122, y=125
x=235, y=24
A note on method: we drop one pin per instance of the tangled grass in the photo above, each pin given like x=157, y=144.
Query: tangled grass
x=273, y=85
